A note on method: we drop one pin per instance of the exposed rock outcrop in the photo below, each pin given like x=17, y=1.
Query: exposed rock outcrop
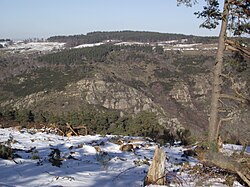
x=114, y=96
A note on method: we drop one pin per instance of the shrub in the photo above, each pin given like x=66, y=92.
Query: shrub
x=5, y=152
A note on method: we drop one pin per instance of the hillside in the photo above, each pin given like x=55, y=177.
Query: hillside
x=127, y=36
x=141, y=90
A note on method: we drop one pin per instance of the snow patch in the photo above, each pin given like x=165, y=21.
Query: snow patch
x=84, y=166
x=88, y=45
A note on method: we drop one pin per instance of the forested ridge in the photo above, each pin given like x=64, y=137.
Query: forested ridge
x=93, y=54
x=138, y=36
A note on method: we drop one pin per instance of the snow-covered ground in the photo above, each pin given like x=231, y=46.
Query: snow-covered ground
x=34, y=46
x=167, y=45
x=191, y=47
x=4, y=43
x=30, y=47
x=83, y=164
x=88, y=45
x=131, y=43
x=229, y=149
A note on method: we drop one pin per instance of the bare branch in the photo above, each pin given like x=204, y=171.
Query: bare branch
x=220, y=122
x=226, y=119
x=242, y=100
x=233, y=46
x=188, y=3
x=63, y=134
x=225, y=75
x=69, y=126
x=240, y=96
x=223, y=111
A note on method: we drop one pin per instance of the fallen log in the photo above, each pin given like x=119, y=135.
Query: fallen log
x=226, y=163
x=69, y=130
x=75, y=129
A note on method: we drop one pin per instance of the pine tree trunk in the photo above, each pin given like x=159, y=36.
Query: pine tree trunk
x=216, y=87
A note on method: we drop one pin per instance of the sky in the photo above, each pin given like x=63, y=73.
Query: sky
x=21, y=19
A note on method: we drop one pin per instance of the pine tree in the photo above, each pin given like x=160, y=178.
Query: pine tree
x=234, y=19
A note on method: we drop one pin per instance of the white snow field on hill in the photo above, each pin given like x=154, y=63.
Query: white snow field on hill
x=35, y=46
x=83, y=165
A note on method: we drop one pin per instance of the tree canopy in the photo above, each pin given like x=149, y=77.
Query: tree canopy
x=238, y=20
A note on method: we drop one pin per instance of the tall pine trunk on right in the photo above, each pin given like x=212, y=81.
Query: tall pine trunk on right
x=234, y=18
x=217, y=81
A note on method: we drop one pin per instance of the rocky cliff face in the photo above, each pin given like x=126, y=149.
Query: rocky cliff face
x=111, y=95
x=180, y=93
x=114, y=96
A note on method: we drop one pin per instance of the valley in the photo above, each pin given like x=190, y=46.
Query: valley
x=124, y=85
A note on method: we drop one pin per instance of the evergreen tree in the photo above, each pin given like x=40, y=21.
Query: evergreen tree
x=235, y=17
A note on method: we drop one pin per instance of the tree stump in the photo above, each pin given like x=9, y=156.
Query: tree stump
x=156, y=172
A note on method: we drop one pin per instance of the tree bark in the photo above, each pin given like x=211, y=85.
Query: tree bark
x=216, y=87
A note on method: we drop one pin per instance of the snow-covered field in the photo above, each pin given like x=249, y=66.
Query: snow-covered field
x=87, y=161
x=34, y=46
x=4, y=44
x=88, y=45
x=30, y=47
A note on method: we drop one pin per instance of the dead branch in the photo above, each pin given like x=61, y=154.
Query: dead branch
x=73, y=131
x=225, y=75
x=223, y=110
x=239, y=99
x=220, y=122
x=233, y=46
x=82, y=127
x=225, y=119
x=240, y=95
x=58, y=129
x=56, y=177
x=176, y=179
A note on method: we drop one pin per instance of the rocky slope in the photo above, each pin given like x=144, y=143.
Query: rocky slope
x=174, y=85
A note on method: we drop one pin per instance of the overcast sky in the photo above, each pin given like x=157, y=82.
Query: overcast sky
x=21, y=19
